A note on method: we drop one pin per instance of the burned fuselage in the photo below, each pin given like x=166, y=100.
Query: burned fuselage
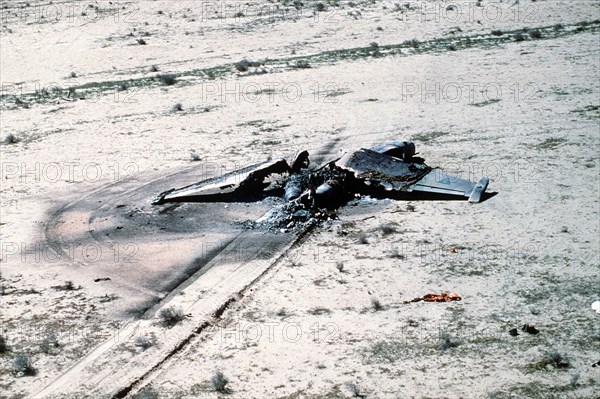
x=388, y=170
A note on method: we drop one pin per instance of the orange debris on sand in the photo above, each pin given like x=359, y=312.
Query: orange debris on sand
x=443, y=297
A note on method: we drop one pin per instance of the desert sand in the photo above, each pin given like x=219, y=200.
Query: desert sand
x=106, y=104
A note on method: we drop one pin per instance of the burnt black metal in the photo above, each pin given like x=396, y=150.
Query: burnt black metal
x=388, y=170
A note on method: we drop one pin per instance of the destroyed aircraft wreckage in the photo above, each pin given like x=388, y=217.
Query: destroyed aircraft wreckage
x=388, y=170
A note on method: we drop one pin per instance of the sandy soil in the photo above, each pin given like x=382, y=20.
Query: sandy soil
x=321, y=315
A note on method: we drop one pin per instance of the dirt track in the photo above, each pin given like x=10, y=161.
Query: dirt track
x=475, y=101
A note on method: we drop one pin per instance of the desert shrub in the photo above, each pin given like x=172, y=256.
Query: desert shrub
x=519, y=37
x=167, y=79
x=535, y=34
x=141, y=41
x=446, y=341
x=3, y=344
x=387, y=229
x=302, y=64
x=396, y=254
x=66, y=286
x=23, y=365
x=49, y=343
x=555, y=360
x=170, y=316
x=340, y=266
x=355, y=390
x=244, y=65
x=177, y=107
x=414, y=43
x=219, y=382
x=320, y=7
x=146, y=393
x=153, y=68
x=376, y=304
x=497, y=32
x=144, y=342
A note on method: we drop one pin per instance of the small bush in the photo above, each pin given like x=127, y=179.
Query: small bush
x=414, y=43
x=519, y=37
x=387, y=229
x=362, y=239
x=555, y=360
x=302, y=64
x=396, y=254
x=244, y=65
x=49, y=343
x=219, y=382
x=446, y=341
x=141, y=41
x=194, y=157
x=535, y=34
x=575, y=380
x=167, y=80
x=171, y=316
x=355, y=390
x=144, y=341
x=177, y=107
x=3, y=345
x=154, y=68
x=340, y=266
x=497, y=33
x=73, y=75
x=23, y=365
x=320, y=7
x=146, y=393
x=67, y=286
x=376, y=304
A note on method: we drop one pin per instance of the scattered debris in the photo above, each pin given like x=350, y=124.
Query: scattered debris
x=443, y=297
x=67, y=286
x=9, y=139
x=530, y=328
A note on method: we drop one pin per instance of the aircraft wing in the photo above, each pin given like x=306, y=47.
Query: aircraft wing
x=380, y=174
x=440, y=182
